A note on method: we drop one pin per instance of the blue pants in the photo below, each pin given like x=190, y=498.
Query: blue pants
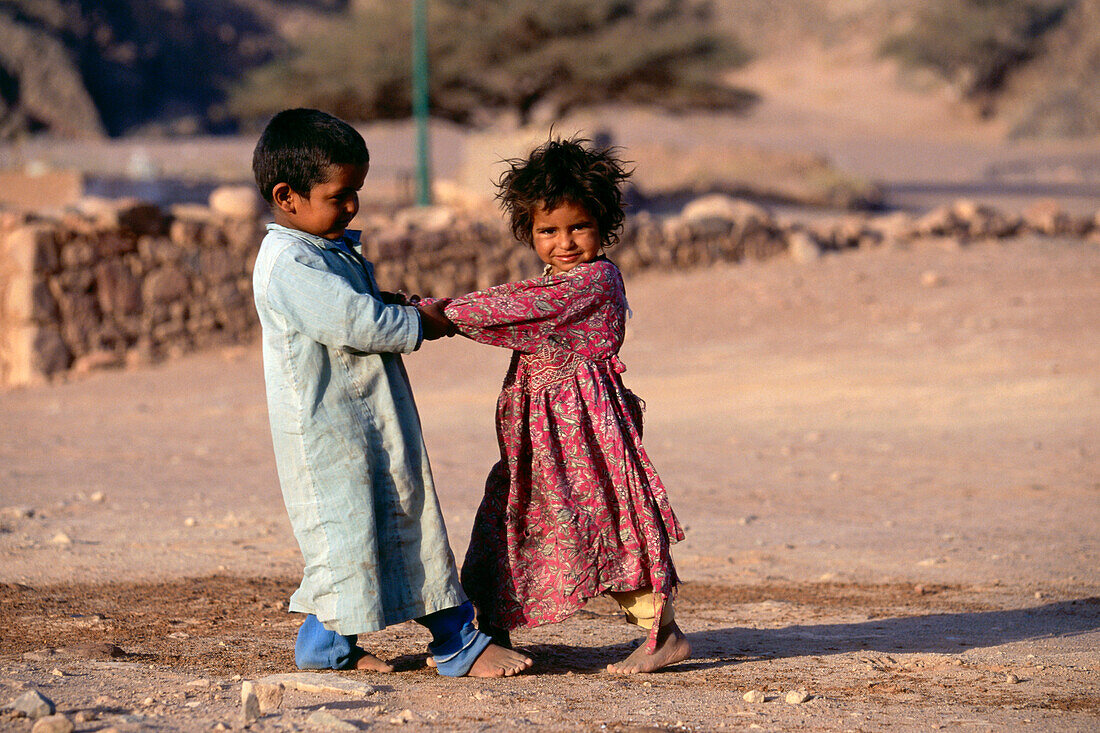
x=455, y=644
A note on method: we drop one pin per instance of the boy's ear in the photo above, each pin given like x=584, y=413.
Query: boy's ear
x=284, y=197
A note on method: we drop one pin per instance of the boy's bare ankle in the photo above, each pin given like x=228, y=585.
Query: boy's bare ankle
x=370, y=663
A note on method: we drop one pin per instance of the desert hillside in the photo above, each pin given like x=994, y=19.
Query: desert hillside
x=126, y=67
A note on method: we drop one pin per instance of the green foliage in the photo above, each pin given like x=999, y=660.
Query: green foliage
x=496, y=55
x=976, y=43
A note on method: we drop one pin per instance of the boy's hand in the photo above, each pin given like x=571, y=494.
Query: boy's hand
x=434, y=322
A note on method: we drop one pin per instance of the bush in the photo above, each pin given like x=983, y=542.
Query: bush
x=976, y=43
x=496, y=55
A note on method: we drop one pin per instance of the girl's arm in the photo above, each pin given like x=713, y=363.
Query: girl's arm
x=521, y=315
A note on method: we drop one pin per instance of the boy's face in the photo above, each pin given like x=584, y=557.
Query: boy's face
x=328, y=207
x=565, y=237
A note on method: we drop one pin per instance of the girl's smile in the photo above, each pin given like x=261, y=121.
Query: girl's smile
x=565, y=237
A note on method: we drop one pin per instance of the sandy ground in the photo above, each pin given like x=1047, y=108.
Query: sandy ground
x=886, y=462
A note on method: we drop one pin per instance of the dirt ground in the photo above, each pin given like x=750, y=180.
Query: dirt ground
x=885, y=460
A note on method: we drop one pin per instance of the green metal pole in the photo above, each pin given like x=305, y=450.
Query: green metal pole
x=420, y=102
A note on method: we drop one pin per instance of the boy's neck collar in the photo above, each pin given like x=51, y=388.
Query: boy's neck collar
x=350, y=235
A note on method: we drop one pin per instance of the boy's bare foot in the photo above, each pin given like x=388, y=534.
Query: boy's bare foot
x=496, y=661
x=672, y=647
x=371, y=663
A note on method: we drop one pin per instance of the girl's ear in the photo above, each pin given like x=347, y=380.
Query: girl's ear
x=284, y=197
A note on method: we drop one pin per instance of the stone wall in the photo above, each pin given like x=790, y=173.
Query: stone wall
x=112, y=283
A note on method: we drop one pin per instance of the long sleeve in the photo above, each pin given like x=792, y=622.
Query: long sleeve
x=523, y=315
x=325, y=307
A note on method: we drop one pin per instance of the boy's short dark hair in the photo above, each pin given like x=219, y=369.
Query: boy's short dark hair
x=299, y=146
x=560, y=171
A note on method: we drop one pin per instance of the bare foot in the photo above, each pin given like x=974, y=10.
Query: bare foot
x=371, y=663
x=672, y=647
x=496, y=661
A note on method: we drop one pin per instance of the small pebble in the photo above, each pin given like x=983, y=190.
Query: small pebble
x=796, y=697
x=61, y=539
x=17, y=512
x=97, y=497
x=148, y=702
x=1012, y=679
x=57, y=672
x=405, y=716
x=190, y=522
x=930, y=279
x=1038, y=594
x=325, y=720
x=86, y=716
x=53, y=724
x=753, y=696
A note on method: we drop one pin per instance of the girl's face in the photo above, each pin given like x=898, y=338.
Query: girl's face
x=565, y=237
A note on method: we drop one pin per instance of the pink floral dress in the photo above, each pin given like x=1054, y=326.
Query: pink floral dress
x=574, y=508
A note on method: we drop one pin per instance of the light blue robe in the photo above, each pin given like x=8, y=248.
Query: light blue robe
x=348, y=445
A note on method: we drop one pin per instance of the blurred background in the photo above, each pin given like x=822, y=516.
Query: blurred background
x=819, y=103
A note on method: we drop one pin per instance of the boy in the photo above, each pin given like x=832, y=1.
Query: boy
x=351, y=459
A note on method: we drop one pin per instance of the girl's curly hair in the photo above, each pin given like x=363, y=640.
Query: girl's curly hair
x=560, y=171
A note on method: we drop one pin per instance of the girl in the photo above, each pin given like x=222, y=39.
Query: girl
x=574, y=508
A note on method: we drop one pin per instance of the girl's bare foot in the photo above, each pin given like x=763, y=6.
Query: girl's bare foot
x=371, y=663
x=672, y=647
x=496, y=661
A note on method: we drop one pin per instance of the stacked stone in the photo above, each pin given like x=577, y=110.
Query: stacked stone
x=122, y=282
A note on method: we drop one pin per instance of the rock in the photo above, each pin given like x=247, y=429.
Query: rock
x=434, y=219
x=930, y=279
x=117, y=290
x=96, y=360
x=53, y=724
x=324, y=720
x=97, y=497
x=1047, y=217
x=1012, y=679
x=61, y=539
x=17, y=512
x=803, y=247
x=321, y=682
x=937, y=222
x=754, y=696
x=726, y=208
x=237, y=202
x=36, y=353
x=94, y=650
x=33, y=704
x=164, y=286
x=250, y=704
x=269, y=694
x=405, y=716
x=796, y=697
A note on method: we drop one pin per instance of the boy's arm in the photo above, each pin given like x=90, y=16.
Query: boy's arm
x=323, y=306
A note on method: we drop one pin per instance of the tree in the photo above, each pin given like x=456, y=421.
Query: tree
x=490, y=56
